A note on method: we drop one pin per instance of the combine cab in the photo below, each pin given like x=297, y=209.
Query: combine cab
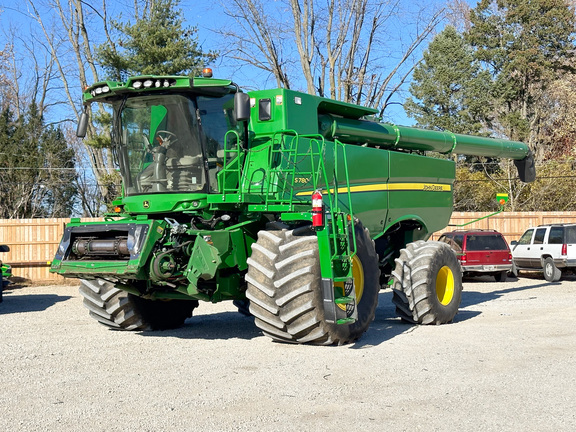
x=296, y=207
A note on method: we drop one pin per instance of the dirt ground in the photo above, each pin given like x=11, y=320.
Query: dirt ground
x=507, y=363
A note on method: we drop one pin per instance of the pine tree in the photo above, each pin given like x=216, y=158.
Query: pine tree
x=527, y=45
x=36, y=168
x=450, y=91
x=156, y=44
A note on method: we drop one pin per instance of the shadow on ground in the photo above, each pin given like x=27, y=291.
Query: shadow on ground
x=230, y=325
x=386, y=325
x=221, y=325
x=29, y=302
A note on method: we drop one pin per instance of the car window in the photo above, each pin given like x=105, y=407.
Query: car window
x=570, y=234
x=556, y=235
x=459, y=240
x=526, y=237
x=485, y=242
x=450, y=241
x=539, y=236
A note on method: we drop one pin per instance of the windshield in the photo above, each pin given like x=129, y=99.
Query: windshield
x=172, y=143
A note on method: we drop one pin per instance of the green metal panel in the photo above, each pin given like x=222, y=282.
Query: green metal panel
x=164, y=202
x=420, y=188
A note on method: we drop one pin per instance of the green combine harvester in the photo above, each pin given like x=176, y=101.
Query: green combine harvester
x=296, y=207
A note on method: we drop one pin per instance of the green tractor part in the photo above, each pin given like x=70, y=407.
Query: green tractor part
x=297, y=208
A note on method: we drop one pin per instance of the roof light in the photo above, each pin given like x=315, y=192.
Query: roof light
x=137, y=84
x=207, y=73
x=148, y=83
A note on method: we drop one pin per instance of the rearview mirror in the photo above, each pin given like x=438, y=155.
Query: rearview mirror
x=82, y=125
x=4, y=248
x=241, y=107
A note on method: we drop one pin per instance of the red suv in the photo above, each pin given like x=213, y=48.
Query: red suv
x=481, y=252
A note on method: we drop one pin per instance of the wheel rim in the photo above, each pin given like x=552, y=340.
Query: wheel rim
x=358, y=275
x=548, y=270
x=445, y=285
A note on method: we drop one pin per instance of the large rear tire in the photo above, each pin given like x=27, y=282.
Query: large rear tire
x=427, y=283
x=120, y=310
x=284, y=288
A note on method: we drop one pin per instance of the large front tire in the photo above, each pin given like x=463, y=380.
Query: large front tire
x=120, y=310
x=427, y=283
x=284, y=288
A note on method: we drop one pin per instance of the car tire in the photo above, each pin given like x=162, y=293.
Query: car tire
x=514, y=270
x=501, y=276
x=551, y=272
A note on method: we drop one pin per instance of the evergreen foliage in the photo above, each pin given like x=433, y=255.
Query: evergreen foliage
x=156, y=44
x=527, y=45
x=509, y=75
x=450, y=90
x=37, y=168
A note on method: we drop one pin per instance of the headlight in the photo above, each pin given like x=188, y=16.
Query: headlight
x=136, y=239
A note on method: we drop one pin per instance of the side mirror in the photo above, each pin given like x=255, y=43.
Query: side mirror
x=513, y=243
x=4, y=248
x=241, y=107
x=82, y=125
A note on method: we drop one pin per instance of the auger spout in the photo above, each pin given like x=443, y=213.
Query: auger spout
x=406, y=138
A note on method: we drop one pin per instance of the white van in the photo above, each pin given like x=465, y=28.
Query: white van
x=547, y=248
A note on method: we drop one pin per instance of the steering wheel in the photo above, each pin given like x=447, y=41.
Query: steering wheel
x=166, y=138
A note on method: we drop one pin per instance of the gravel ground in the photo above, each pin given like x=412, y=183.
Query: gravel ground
x=507, y=363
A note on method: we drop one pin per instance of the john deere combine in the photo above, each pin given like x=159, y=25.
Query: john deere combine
x=297, y=207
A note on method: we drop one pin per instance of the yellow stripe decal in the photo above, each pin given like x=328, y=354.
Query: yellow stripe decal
x=427, y=187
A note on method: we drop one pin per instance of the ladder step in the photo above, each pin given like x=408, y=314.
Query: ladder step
x=341, y=258
x=344, y=300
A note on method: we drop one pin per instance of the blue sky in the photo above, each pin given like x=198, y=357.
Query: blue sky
x=206, y=16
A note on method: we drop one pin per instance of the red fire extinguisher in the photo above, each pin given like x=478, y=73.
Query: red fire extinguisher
x=317, y=209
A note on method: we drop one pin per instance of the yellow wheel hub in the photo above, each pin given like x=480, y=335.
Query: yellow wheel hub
x=358, y=275
x=445, y=285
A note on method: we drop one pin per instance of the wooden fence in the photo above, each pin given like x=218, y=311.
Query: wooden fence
x=33, y=242
x=511, y=224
